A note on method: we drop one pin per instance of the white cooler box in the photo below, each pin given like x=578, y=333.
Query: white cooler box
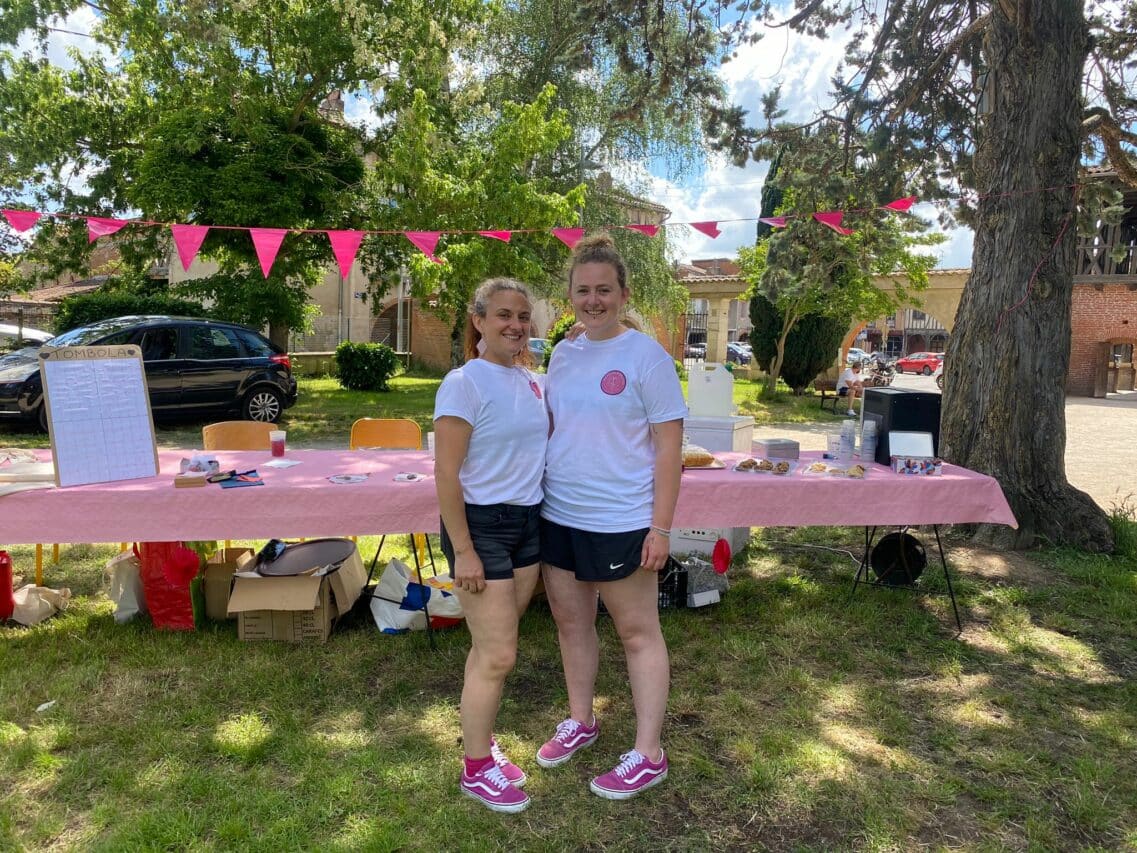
x=701, y=540
x=728, y=433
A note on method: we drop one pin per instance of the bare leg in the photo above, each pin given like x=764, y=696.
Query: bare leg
x=634, y=605
x=574, y=608
x=491, y=616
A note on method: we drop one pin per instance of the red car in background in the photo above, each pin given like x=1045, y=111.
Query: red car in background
x=919, y=362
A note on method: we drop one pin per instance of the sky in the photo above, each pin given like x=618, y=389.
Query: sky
x=802, y=65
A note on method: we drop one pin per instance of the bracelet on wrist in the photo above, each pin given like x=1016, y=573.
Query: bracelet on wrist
x=662, y=531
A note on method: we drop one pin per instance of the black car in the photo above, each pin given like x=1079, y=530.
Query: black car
x=192, y=367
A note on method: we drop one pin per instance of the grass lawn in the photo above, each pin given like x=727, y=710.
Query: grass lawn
x=798, y=719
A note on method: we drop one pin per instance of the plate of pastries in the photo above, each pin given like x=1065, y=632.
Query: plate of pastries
x=754, y=465
x=855, y=471
x=699, y=457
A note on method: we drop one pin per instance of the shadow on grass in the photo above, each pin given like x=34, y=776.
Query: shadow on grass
x=797, y=719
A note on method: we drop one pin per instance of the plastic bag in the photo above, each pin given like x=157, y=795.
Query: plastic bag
x=169, y=573
x=397, y=602
x=124, y=586
x=36, y=603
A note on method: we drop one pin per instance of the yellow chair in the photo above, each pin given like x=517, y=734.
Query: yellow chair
x=393, y=434
x=386, y=433
x=236, y=435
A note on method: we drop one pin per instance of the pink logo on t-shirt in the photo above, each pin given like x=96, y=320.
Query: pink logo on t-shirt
x=613, y=383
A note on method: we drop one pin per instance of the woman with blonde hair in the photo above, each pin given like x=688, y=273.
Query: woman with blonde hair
x=491, y=429
x=611, y=482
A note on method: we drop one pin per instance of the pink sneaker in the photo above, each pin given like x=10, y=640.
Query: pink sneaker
x=513, y=774
x=490, y=787
x=633, y=775
x=570, y=737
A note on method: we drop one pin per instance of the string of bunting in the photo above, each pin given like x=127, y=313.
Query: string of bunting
x=345, y=244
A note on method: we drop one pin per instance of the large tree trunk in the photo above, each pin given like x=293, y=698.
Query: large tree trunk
x=1004, y=394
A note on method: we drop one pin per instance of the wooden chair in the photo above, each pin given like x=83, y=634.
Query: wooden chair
x=829, y=395
x=236, y=435
x=386, y=433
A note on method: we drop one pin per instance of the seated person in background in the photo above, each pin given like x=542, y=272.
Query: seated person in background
x=851, y=385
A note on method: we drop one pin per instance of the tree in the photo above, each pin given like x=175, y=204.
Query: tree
x=210, y=112
x=806, y=268
x=809, y=346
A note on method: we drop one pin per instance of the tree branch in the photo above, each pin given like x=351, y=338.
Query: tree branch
x=922, y=83
x=1100, y=121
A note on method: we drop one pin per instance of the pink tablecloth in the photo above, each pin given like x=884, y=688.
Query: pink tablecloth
x=727, y=498
x=300, y=501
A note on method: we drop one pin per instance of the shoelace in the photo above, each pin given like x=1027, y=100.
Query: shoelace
x=566, y=729
x=494, y=776
x=498, y=756
x=628, y=762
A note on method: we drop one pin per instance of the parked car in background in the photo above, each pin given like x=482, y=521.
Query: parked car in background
x=738, y=354
x=15, y=337
x=193, y=367
x=919, y=362
x=856, y=355
x=938, y=375
x=695, y=351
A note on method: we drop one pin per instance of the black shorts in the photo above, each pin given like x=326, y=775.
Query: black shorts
x=841, y=392
x=505, y=537
x=592, y=557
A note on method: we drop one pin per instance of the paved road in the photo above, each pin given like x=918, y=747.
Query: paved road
x=1101, y=441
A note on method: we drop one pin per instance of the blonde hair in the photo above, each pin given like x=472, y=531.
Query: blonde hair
x=480, y=304
x=599, y=249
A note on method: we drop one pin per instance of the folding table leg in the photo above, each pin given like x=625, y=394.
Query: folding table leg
x=947, y=577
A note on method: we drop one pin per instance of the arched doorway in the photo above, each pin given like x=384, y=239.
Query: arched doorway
x=393, y=327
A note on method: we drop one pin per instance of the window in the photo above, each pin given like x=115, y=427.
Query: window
x=255, y=345
x=918, y=315
x=159, y=344
x=1122, y=354
x=213, y=343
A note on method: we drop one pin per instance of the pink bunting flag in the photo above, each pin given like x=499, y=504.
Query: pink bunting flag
x=711, y=229
x=426, y=241
x=22, y=220
x=901, y=204
x=649, y=230
x=497, y=235
x=569, y=236
x=832, y=220
x=345, y=245
x=774, y=221
x=98, y=226
x=188, y=239
x=267, y=242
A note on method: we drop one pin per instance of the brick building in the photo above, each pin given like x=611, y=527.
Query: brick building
x=1103, y=313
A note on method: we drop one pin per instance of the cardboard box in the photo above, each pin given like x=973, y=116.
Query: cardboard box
x=299, y=608
x=218, y=573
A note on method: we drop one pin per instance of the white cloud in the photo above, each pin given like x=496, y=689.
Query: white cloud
x=803, y=66
x=67, y=35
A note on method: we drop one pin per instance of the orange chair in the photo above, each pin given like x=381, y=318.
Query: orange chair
x=385, y=433
x=236, y=435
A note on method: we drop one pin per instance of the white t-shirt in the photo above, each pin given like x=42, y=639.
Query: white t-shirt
x=603, y=395
x=506, y=407
x=848, y=378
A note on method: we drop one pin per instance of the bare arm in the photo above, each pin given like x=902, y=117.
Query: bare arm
x=668, y=440
x=451, y=441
